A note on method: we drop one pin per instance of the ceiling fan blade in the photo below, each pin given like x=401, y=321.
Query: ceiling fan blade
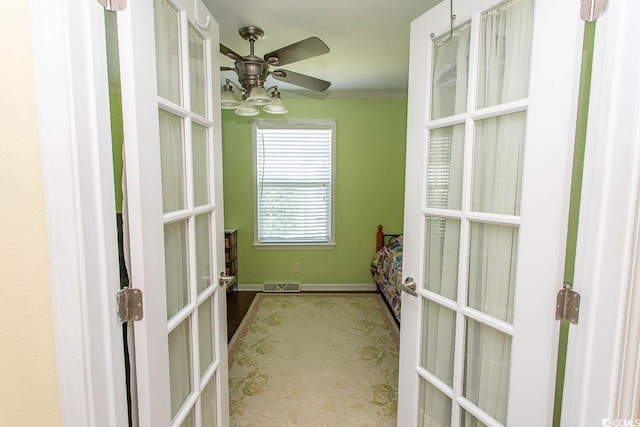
x=228, y=52
x=301, y=80
x=304, y=49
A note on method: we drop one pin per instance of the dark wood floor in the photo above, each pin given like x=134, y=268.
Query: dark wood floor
x=238, y=302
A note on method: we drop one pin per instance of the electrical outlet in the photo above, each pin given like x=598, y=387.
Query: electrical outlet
x=297, y=267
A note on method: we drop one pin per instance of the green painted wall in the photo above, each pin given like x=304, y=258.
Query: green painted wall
x=574, y=210
x=117, y=138
x=115, y=102
x=370, y=158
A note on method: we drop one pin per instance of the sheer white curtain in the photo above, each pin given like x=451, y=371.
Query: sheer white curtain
x=503, y=75
x=497, y=173
x=168, y=35
x=450, y=74
x=167, y=30
x=444, y=191
x=197, y=72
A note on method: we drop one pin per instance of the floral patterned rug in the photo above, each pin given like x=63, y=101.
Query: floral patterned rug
x=314, y=360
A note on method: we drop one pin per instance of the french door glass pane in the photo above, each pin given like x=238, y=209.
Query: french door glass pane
x=203, y=251
x=208, y=399
x=171, y=149
x=438, y=335
x=444, y=169
x=190, y=421
x=492, y=269
x=205, y=332
x=435, y=407
x=469, y=420
x=505, y=53
x=487, y=364
x=200, y=164
x=176, y=266
x=451, y=74
x=197, y=72
x=497, y=164
x=167, y=31
x=441, y=256
x=180, y=366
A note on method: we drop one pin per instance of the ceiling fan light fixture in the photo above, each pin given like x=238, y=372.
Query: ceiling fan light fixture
x=259, y=96
x=276, y=106
x=228, y=99
x=246, y=110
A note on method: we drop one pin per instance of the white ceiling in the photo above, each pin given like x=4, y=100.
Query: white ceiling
x=369, y=39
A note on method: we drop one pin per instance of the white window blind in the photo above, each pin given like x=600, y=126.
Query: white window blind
x=294, y=170
x=438, y=172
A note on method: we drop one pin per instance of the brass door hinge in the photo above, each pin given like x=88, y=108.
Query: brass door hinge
x=568, y=304
x=129, y=302
x=591, y=10
x=113, y=5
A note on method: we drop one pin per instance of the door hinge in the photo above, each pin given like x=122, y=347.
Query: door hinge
x=114, y=5
x=590, y=10
x=129, y=302
x=568, y=304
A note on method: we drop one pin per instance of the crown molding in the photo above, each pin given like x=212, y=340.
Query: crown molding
x=343, y=94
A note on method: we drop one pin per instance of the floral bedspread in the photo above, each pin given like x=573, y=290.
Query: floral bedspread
x=386, y=268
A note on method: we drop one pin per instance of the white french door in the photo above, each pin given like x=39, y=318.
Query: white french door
x=169, y=61
x=489, y=153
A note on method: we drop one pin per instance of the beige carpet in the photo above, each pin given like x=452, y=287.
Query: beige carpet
x=314, y=360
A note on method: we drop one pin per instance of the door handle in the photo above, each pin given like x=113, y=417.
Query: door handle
x=409, y=286
x=226, y=282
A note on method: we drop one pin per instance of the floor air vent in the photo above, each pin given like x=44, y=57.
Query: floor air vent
x=281, y=287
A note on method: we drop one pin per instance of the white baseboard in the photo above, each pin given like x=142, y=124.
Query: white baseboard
x=250, y=288
x=310, y=287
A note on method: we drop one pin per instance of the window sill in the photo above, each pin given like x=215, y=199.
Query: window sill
x=298, y=246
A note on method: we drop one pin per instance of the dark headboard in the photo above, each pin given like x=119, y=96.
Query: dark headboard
x=382, y=239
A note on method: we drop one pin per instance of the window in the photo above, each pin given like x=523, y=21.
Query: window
x=294, y=182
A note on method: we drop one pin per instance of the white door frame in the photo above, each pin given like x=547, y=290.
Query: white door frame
x=602, y=365
x=69, y=51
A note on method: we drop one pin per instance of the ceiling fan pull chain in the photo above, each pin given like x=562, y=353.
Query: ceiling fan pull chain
x=202, y=26
x=443, y=39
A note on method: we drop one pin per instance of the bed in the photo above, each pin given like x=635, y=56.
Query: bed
x=386, y=268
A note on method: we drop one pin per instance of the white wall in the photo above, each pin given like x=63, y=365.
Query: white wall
x=28, y=385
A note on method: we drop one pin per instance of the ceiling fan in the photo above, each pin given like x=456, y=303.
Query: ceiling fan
x=253, y=71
